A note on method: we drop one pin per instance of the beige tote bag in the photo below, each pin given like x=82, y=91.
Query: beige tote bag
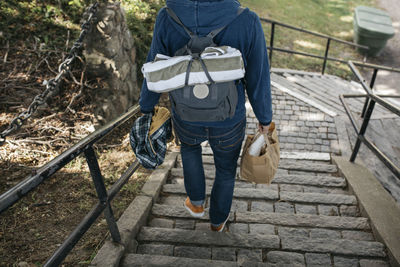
x=261, y=169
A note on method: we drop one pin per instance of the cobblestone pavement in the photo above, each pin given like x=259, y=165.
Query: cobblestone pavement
x=300, y=126
x=306, y=217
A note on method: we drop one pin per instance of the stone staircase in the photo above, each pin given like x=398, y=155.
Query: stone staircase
x=306, y=217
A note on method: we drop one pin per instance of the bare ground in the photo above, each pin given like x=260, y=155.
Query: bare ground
x=33, y=228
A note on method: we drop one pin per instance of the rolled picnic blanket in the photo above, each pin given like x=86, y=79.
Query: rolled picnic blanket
x=164, y=74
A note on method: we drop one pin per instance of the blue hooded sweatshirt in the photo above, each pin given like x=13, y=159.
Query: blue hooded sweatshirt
x=243, y=32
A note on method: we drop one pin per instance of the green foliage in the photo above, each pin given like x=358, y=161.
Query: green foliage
x=141, y=16
x=330, y=17
x=47, y=21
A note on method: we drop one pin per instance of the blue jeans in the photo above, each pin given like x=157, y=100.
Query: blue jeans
x=225, y=144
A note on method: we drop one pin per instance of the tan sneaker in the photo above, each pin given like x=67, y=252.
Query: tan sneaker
x=195, y=211
x=219, y=228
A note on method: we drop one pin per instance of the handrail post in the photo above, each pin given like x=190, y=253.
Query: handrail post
x=102, y=193
x=362, y=130
x=371, y=85
x=271, y=43
x=326, y=55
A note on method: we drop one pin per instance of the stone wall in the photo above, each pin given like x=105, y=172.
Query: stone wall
x=110, y=55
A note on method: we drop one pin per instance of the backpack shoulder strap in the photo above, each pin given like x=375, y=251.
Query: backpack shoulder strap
x=214, y=33
x=177, y=20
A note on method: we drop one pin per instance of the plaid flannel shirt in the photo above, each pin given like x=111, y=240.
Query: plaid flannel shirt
x=150, y=150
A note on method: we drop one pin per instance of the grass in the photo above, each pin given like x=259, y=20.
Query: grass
x=330, y=17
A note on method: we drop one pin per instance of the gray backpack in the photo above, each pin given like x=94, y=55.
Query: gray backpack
x=203, y=102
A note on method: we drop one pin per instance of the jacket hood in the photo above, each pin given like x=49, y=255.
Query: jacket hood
x=202, y=16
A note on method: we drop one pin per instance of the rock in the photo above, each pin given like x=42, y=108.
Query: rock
x=306, y=209
x=192, y=252
x=156, y=249
x=110, y=54
x=160, y=222
x=262, y=206
x=345, y=262
x=264, y=229
x=328, y=210
x=357, y=235
x=284, y=207
x=253, y=255
x=282, y=257
x=317, y=259
x=289, y=231
x=240, y=228
x=324, y=233
x=225, y=254
x=346, y=210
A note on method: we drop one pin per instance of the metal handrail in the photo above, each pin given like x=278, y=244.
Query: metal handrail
x=371, y=100
x=325, y=58
x=356, y=63
x=85, y=146
x=312, y=32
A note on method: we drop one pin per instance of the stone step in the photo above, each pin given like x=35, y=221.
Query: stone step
x=290, y=186
x=245, y=257
x=284, y=164
x=303, y=220
x=131, y=260
x=258, y=228
x=318, y=198
x=269, y=194
x=305, y=155
x=238, y=183
x=282, y=219
x=207, y=238
x=260, y=205
x=328, y=181
x=281, y=178
x=253, y=193
x=209, y=172
x=293, y=155
x=335, y=246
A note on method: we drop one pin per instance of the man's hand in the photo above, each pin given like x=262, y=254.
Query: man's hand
x=263, y=128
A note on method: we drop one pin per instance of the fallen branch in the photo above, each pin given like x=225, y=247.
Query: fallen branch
x=67, y=42
x=6, y=54
x=52, y=128
x=80, y=83
x=30, y=141
x=46, y=118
